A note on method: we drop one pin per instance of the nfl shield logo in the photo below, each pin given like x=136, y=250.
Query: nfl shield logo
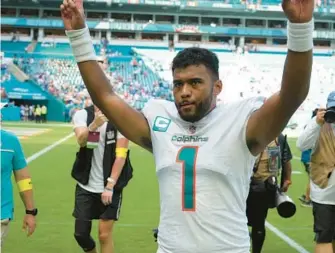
x=192, y=129
x=110, y=135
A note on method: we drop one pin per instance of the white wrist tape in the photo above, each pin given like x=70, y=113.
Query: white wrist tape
x=82, y=45
x=300, y=36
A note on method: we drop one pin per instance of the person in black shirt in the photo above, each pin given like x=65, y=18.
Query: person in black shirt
x=101, y=169
x=264, y=184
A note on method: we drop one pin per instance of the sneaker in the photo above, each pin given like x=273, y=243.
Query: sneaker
x=302, y=198
x=307, y=203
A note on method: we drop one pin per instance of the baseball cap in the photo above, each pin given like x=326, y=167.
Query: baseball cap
x=331, y=100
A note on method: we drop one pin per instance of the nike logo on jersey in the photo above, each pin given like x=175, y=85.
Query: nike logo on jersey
x=161, y=124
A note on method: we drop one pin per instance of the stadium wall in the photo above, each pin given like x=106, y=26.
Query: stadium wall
x=161, y=45
x=56, y=108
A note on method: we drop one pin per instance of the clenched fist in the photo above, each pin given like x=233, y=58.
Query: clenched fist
x=73, y=16
x=298, y=11
x=320, y=116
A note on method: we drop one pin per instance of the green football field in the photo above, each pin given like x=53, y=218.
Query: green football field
x=54, y=195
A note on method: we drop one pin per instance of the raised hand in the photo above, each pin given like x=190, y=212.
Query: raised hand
x=298, y=11
x=320, y=116
x=99, y=119
x=73, y=16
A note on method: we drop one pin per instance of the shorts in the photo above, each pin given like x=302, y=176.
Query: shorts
x=88, y=206
x=324, y=222
x=257, y=209
x=4, y=230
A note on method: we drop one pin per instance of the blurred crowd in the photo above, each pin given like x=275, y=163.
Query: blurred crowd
x=247, y=75
x=318, y=3
x=131, y=79
x=146, y=76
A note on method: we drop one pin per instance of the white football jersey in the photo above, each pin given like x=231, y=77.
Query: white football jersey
x=204, y=171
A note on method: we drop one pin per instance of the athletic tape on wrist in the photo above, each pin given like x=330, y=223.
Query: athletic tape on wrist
x=82, y=45
x=300, y=36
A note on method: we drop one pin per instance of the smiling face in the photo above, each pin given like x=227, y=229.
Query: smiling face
x=195, y=83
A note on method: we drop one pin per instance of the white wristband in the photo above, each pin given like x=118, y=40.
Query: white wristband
x=111, y=180
x=300, y=36
x=82, y=45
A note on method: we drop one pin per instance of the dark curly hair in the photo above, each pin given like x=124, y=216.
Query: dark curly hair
x=197, y=56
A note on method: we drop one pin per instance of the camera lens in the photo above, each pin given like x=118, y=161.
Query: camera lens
x=330, y=115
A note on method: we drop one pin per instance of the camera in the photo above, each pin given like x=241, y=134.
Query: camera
x=330, y=115
x=285, y=205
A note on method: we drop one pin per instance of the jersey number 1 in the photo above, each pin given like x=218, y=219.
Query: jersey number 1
x=187, y=156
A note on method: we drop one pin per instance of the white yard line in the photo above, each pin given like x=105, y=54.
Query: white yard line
x=286, y=239
x=280, y=234
x=48, y=148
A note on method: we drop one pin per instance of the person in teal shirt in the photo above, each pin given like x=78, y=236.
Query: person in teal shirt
x=13, y=161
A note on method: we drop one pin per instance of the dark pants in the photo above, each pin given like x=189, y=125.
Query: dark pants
x=258, y=203
x=257, y=209
x=324, y=222
x=44, y=118
x=38, y=118
x=88, y=206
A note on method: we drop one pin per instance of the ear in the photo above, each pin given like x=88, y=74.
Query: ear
x=217, y=87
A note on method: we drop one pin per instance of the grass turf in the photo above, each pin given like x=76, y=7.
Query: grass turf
x=54, y=195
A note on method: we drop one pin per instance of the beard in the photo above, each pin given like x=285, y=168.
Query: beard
x=201, y=110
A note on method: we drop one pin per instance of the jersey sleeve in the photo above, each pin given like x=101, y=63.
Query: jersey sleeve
x=19, y=161
x=247, y=108
x=80, y=119
x=149, y=111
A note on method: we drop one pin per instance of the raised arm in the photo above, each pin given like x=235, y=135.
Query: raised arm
x=309, y=137
x=81, y=128
x=266, y=123
x=131, y=123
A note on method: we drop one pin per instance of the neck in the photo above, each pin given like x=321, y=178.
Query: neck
x=210, y=109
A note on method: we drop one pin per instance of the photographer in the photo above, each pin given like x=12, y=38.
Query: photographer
x=264, y=186
x=306, y=161
x=319, y=135
x=102, y=169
